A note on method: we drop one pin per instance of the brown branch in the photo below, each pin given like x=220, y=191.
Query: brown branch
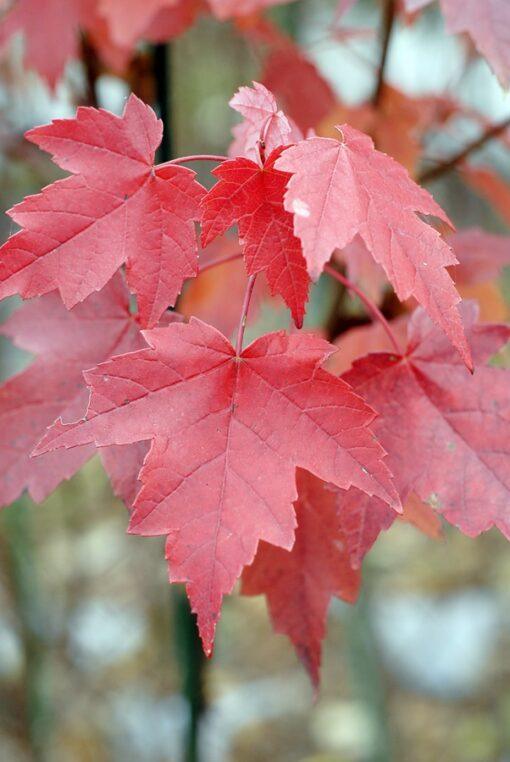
x=453, y=162
x=92, y=68
x=388, y=19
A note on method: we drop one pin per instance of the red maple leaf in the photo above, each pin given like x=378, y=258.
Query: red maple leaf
x=252, y=197
x=363, y=518
x=228, y=432
x=50, y=42
x=446, y=432
x=342, y=188
x=173, y=21
x=65, y=343
x=116, y=208
x=132, y=20
x=300, y=583
x=261, y=119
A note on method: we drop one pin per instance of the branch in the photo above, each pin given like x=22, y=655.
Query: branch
x=92, y=68
x=452, y=163
x=388, y=19
x=369, y=304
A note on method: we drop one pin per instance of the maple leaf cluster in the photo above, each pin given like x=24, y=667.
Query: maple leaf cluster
x=278, y=463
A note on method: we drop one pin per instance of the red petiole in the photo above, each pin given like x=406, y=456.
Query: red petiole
x=196, y=157
x=244, y=314
x=369, y=304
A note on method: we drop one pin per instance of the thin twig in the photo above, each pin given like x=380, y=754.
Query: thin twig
x=447, y=166
x=388, y=19
x=244, y=314
x=369, y=304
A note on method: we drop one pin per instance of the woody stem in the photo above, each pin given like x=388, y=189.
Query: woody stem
x=369, y=304
x=244, y=314
x=492, y=131
x=388, y=20
x=188, y=647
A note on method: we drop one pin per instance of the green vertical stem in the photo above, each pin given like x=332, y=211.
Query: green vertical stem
x=23, y=576
x=367, y=679
x=188, y=646
x=191, y=659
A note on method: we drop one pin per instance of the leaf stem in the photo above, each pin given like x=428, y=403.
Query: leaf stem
x=369, y=304
x=197, y=157
x=261, y=143
x=447, y=166
x=388, y=19
x=221, y=261
x=244, y=314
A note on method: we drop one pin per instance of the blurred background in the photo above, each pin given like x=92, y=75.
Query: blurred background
x=93, y=651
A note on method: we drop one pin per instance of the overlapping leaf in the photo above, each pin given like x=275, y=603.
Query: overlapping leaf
x=227, y=433
x=447, y=433
x=300, y=583
x=343, y=188
x=65, y=343
x=252, y=197
x=116, y=208
x=363, y=518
